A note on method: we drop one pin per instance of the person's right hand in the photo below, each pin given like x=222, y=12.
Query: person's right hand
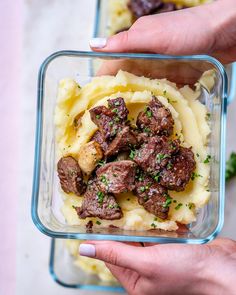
x=171, y=268
x=207, y=29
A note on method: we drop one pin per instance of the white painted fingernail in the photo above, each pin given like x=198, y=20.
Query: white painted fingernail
x=87, y=250
x=98, y=42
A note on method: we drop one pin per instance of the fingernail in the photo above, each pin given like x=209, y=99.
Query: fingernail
x=98, y=42
x=87, y=250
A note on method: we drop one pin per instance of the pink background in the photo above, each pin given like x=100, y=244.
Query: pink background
x=30, y=30
x=10, y=32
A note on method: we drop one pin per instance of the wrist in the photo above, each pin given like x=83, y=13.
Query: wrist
x=223, y=21
x=220, y=269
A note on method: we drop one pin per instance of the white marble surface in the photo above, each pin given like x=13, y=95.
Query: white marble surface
x=50, y=26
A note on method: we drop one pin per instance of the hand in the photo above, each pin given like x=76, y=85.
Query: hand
x=169, y=268
x=208, y=29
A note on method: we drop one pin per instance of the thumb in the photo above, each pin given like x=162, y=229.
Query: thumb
x=118, y=254
x=126, y=41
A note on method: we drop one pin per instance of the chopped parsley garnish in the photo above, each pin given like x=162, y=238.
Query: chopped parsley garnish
x=142, y=189
x=197, y=155
x=168, y=201
x=115, y=110
x=149, y=114
x=147, y=130
x=207, y=160
x=231, y=167
x=101, y=162
x=194, y=175
x=157, y=177
x=132, y=154
x=178, y=206
x=100, y=197
x=117, y=119
x=98, y=222
x=208, y=115
x=160, y=157
x=110, y=206
x=78, y=86
x=111, y=123
x=169, y=166
x=153, y=225
x=164, y=92
x=174, y=201
x=98, y=116
x=104, y=180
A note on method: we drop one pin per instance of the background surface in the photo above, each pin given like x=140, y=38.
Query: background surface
x=46, y=26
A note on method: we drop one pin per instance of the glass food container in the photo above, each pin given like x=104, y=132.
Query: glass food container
x=46, y=200
x=101, y=29
x=67, y=274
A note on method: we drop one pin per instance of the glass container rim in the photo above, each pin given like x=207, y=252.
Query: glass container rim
x=38, y=146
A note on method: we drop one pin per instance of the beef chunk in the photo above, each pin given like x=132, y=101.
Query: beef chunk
x=89, y=226
x=70, y=176
x=117, y=177
x=156, y=118
x=118, y=107
x=97, y=137
x=144, y=7
x=123, y=141
x=167, y=7
x=104, y=119
x=155, y=153
x=178, y=171
x=152, y=196
x=98, y=204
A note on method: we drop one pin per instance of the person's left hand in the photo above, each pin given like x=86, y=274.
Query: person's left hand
x=169, y=268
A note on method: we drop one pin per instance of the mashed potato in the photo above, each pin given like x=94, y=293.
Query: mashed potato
x=74, y=128
x=120, y=16
x=89, y=265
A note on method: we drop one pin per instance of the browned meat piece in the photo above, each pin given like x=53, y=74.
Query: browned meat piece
x=123, y=141
x=152, y=196
x=117, y=177
x=98, y=204
x=178, y=171
x=118, y=107
x=89, y=226
x=155, y=153
x=156, y=118
x=70, y=176
x=166, y=7
x=142, y=137
x=99, y=139
x=144, y=7
x=105, y=120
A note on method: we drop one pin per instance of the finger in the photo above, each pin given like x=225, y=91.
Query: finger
x=127, y=277
x=115, y=253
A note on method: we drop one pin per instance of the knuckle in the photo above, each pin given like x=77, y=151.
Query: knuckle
x=111, y=256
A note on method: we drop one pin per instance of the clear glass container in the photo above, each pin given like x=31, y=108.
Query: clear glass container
x=101, y=29
x=67, y=274
x=82, y=66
